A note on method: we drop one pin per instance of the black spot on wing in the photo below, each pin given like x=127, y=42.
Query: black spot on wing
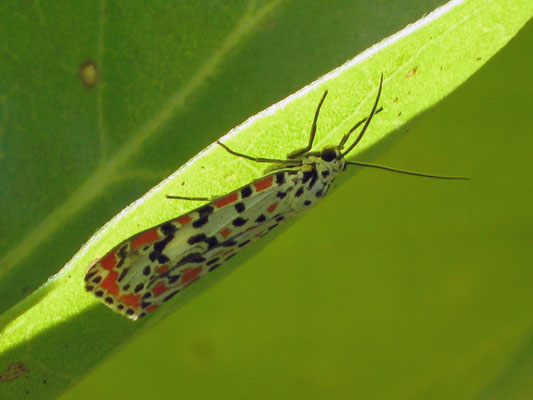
x=191, y=258
x=197, y=238
x=123, y=274
x=239, y=207
x=212, y=261
x=162, y=259
x=122, y=254
x=244, y=243
x=212, y=242
x=229, y=243
x=280, y=178
x=160, y=246
x=200, y=222
x=171, y=295
x=246, y=191
x=205, y=210
x=239, y=221
x=308, y=175
x=89, y=275
x=311, y=176
x=214, y=267
x=157, y=252
x=168, y=228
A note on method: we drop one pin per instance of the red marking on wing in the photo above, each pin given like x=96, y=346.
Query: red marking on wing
x=145, y=238
x=152, y=308
x=131, y=300
x=228, y=252
x=225, y=232
x=109, y=284
x=163, y=269
x=264, y=183
x=224, y=201
x=160, y=288
x=184, y=219
x=190, y=275
x=272, y=207
x=109, y=261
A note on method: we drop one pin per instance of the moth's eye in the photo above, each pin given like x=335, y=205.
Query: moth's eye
x=328, y=155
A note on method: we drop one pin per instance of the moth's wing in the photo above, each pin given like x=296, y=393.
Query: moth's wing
x=146, y=270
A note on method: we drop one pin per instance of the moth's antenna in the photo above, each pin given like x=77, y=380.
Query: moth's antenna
x=357, y=125
x=402, y=171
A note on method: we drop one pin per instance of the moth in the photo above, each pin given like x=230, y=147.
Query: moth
x=148, y=269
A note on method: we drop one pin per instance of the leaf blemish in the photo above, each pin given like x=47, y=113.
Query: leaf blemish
x=89, y=74
x=412, y=72
x=14, y=371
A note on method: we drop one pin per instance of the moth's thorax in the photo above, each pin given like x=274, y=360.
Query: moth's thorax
x=327, y=171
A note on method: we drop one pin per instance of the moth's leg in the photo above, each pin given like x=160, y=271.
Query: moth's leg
x=309, y=146
x=357, y=125
x=168, y=196
x=260, y=159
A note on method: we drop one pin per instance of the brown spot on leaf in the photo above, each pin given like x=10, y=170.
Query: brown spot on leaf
x=412, y=72
x=89, y=73
x=14, y=371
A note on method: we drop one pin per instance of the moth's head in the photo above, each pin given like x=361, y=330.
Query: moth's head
x=332, y=159
x=330, y=154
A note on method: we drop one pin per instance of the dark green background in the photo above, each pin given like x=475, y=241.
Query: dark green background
x=423, y=289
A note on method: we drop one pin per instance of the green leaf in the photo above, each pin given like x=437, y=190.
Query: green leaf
x=170, y=81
